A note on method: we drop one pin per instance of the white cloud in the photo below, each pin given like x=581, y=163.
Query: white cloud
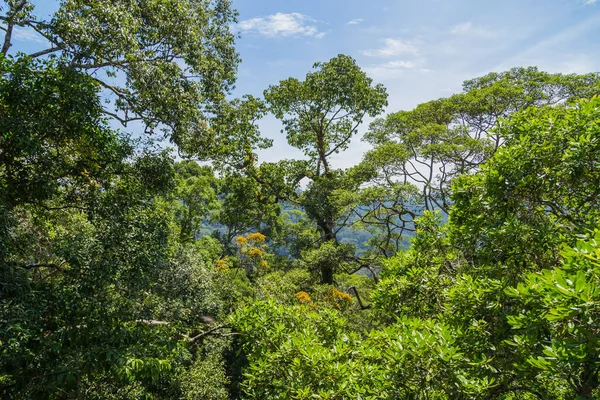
x=588, y=2
x=282, y=25
x=469, y=29
x=400, y=64
x=355, y=21
x=391, y=47
x=27, y=35
x=394, y=69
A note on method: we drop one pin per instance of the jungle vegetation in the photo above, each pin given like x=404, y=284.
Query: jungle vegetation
x=459, y=259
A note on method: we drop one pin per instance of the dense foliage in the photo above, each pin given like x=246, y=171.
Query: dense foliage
x=460, y=259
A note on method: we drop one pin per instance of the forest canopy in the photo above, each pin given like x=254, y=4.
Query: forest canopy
x=458, y=259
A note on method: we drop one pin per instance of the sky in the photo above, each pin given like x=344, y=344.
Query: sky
x=419, y=50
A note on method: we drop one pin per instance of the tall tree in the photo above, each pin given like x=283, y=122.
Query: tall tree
x=498, y=273
x=100, y=297
x=158, y=62
x=418, y=153
x=101, y=294
x=542, y=187
x=320, y=116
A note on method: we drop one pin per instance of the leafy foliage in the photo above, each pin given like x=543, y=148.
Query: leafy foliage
x=541, y=188
x=159, y=62
x=556, y=329
x=127, y=274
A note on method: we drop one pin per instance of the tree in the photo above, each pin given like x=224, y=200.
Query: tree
x=497, y=276
x=541, y=187
x=103, y=293
x=430, y=146
x=48, y=162
x=320, y=116
x=555, y=329
x=158, y=62
x=100, y=298
x=322, y=113
x=195, y=198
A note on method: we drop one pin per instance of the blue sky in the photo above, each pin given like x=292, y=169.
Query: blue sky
x=419, y=49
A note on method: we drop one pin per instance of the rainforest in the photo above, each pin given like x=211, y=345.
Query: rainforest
x=147, y=251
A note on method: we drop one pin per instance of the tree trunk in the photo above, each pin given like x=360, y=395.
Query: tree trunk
x=327, y=269
x=326, y=274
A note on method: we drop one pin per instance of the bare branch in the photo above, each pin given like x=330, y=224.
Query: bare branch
x=36, y=265
x=44, y=52
x=208, y=332
x=152, y=322
x=362, y=307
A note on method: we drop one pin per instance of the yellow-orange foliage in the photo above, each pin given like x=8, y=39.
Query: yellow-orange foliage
x=241, y=241
x=338, y=299
x=303, y=297
x=252, y=239
x=222, y=264
x=263, y=265
x=254, y=252
x=256, y=237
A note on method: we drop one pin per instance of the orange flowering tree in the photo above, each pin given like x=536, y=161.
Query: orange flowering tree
x=252, y=252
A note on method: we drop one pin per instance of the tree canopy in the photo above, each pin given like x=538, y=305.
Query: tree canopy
x=162, y=63
x=459, y=259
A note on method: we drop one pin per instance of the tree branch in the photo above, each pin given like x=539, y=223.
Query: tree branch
x=209, y=332
x=362, y=307
x=57, y=267
x=10, y=25
x=44, y=52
